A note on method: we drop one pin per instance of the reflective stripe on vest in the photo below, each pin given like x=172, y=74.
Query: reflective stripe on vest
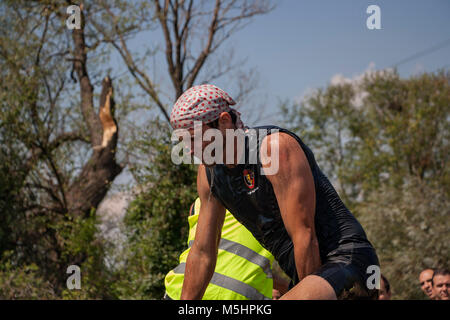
x=246, y=253
x=243, y=268
x=229, y=283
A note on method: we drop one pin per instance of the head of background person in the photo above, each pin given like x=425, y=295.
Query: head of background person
x=385, y=289
x=425, y=280
x=208, y=107
x=441, y=284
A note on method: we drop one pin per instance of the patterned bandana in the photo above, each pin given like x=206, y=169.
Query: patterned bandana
x=202, y=103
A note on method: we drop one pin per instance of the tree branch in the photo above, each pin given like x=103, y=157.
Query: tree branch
x=66, y=137
x=207, y=49
x=86, y=88
x=141, y=77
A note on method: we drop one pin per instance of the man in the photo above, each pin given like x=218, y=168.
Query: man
x=426, y=284
x=295, y=212
x=250, y=276
x=441, y=284
x=385, y=289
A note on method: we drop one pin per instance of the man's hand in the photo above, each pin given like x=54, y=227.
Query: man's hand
x=293, y=185
x=201, y=261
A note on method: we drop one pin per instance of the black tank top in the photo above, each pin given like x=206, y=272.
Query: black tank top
x=249, y=196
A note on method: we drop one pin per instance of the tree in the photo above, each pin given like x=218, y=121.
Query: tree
x=407, y=226
x=59, y=151
x=378, y=129
x=384, y=141
x=156, y=221
x=192, y=32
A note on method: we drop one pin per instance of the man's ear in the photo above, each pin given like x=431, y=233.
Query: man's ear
x=225, y=120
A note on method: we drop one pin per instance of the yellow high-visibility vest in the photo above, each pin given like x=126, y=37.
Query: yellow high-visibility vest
x=243, y=269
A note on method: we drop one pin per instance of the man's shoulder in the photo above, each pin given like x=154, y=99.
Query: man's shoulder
x=283, y=139
x=282, y=154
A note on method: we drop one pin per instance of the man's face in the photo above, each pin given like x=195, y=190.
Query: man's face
x=425, y=282
x=441, y=287
x=384, y=294
x=197, y=143
x=201, y=139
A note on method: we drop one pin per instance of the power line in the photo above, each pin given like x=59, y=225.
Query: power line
x=423, y=53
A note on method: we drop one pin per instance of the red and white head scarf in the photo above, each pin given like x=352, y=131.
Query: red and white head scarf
x=202, y=103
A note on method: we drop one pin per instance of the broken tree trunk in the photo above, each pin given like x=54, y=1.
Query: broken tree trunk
x=91, y=186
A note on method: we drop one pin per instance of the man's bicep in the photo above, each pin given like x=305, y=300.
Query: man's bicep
x=294, y=188
x=293, y=185
x=202, y=183
x=297, y=209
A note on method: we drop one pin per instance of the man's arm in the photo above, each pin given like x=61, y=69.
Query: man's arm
x=280, y=285
x=293, y=185
x=201, y=261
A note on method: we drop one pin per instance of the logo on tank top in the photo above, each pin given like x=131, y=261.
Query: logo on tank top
x=249, y=178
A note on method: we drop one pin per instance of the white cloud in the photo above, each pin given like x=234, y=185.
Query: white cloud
x=355, y=80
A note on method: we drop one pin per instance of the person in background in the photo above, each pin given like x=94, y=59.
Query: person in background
x=243, y=269
x=441, y=284
x=425, y=280
x=385, y=289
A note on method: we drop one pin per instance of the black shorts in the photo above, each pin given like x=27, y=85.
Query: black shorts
x=346, y=271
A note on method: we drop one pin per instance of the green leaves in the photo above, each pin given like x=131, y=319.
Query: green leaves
x=378, y=129
x=384, y=142
x=408, y=227
x=156, y=221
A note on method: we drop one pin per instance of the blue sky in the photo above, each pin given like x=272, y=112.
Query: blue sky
x=302, y=44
